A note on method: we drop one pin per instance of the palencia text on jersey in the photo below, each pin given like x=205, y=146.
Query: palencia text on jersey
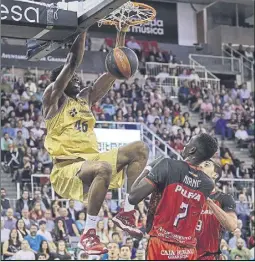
x=187, y=194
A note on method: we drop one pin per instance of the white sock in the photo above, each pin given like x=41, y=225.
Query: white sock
x=91, y=222
x=149, y=168
x=128, y=207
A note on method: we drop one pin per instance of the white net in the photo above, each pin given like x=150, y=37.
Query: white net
x=129, y=14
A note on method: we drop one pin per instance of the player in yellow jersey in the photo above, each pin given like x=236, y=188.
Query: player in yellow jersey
x=79, y=169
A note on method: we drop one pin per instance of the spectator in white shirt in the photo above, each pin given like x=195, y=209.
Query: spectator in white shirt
x=43, y=231
x=241, y=133
x=4, y=232
x=244, y=92
x=163, y=75
x=242, y=136
x=132, y=44
x=199, y=130
x=249, y=53
x=194, y=76
x=31, y=87
x=37, y=131
x=6, y=107
x=25, y=253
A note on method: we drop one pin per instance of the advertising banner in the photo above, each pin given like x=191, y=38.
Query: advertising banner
x=115, y=138
x=162, y=29
x=11, y=55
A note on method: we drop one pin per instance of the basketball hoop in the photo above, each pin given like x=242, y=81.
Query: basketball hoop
x=129, y=14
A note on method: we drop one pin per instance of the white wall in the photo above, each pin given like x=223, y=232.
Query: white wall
x=187, y=23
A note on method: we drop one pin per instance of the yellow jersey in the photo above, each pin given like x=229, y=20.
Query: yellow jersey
x=70, y=133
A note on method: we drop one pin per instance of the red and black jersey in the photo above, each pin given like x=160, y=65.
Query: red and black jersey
x=209, y=230
x=181, y=190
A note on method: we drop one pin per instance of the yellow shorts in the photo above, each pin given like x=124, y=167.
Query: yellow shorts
x=68, y=185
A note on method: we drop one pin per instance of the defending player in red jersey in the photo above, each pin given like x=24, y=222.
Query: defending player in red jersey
x=218, y=213
x=181, y=190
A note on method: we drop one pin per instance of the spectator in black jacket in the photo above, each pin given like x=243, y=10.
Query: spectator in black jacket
x=5, y=203
x=72, y=213
x=24, y=202
x=38, y=198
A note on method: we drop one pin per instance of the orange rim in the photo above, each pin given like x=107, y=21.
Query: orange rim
x=105, y=21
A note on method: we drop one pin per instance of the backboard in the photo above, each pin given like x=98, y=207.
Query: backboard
x=52, y=25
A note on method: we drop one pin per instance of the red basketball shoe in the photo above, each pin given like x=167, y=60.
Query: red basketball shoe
x=90, y=243
x=126, y=221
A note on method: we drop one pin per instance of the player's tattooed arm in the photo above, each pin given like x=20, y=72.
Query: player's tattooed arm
x=227, y=219
x=141, y=188
x=104, y=83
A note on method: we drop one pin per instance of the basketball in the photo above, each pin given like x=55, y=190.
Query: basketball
x=121, y=62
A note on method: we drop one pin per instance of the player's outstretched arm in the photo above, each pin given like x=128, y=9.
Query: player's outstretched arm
x=227, y=219
x=74, y=59
x=141, y=188
x=104, y=83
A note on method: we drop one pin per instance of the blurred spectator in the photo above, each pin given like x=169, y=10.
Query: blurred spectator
x=31, y=86
x=249, y=54
x=5, y=142
x=241, y=50
x=113, y=251
x=13, y=161
x=42, y=200
x=7, y=108
x=125, y=253
x=10, y=221
x=45, y=250
x=130, y=244
x=242, y=136
x=240, y=251
x=60, y=232
x=12, y=245
x=194, y=76
x=24, y=130
x=43, y=231
x=112, y=204
x=132, y=44
x=49, y=220
x=70, y=224
x=24, y=202
x=25, y=217
x=4, y=232
x=33, y=239
x=72, y=213
x=233, y=241
x=21, y=228
x=206, y=110
x=36, y=212
x=25, y=253
x=80, y=222
x=61, y=253
x=5, y=202
x=244, y=92
x=37, y=131
x=101, y=232
x=242, y=210
x=183, y=92
x=140, y=254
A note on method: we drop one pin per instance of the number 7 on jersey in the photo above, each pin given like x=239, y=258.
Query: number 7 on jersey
x=184, y=208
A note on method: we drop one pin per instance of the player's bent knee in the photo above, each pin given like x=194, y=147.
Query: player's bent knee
x=104, y=169
x=141, y=149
